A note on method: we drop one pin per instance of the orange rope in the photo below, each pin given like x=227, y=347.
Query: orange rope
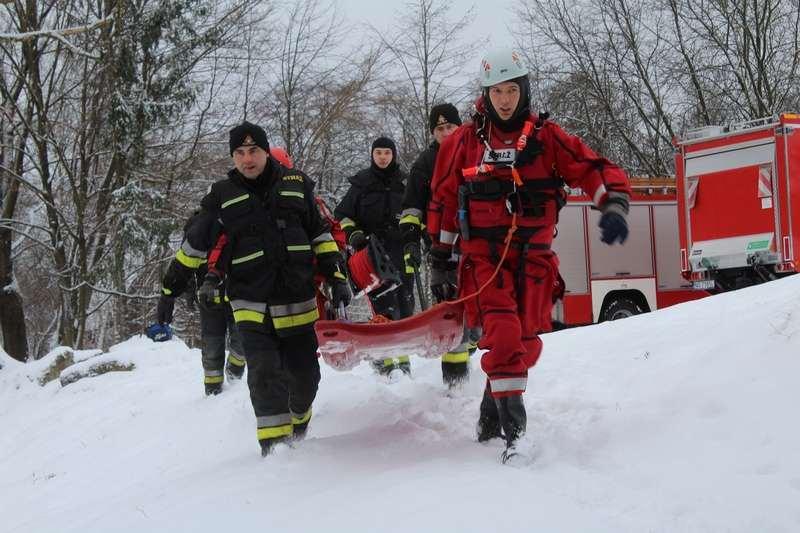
x=507, y=241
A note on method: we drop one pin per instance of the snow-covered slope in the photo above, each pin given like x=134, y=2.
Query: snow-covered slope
x=681, y=420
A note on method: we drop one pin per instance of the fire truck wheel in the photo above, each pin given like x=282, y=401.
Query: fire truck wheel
x=621, y=307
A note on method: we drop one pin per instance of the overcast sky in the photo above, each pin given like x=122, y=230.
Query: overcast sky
x=491, y=18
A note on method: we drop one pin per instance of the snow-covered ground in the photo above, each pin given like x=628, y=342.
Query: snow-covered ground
x=682, y=420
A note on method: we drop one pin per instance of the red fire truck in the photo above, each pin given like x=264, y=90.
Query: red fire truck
x=739, y=202
x=610, y=282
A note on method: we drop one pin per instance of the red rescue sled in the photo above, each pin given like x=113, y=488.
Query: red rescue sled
x=428, y=334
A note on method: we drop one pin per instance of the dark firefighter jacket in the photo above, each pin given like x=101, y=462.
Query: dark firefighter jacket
x=418, y=194
x=188, y=267
x=373, y=204
x=274, y=231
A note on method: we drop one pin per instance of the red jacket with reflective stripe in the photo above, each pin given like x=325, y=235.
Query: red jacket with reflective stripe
x=563, y=155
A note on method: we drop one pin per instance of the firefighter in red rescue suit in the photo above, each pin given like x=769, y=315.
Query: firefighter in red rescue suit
x=275, y=232
x=505, y=171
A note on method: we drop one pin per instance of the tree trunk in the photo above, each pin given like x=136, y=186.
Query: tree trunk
x=13, y=332
x=12, y=317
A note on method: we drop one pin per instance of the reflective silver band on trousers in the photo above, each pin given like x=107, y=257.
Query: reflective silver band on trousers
x=508, y=384
x=273, y=420
x=293, y=308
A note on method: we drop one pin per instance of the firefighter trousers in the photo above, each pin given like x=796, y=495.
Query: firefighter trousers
x=512, y=310
x=217, y=328
x=283, y=376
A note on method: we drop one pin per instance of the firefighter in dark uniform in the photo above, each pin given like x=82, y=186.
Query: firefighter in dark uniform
x=186, y=271
x=371, y=208
x=443, y=121
x=274, y=232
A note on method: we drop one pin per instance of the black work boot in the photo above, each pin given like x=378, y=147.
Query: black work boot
x=513, y=418
x=383, y=367
x=300, y=425
x=268, y=445
x=404, y=364
x=234, y=368
x=489, y=419
x=454, y=374
x=212, y=389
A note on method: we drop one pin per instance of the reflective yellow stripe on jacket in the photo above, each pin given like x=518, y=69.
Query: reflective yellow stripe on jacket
x=190, y=257
x=295, y=314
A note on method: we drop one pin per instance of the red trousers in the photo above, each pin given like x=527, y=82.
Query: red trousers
x=512, y=310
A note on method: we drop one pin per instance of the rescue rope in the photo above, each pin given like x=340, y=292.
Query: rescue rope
x=507, y=241
x=361, y=269
x=485, y=168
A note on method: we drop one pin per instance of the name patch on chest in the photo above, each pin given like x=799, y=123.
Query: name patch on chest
x=502, y=155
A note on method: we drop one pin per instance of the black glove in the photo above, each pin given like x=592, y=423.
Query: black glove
x=531, y=151
x=613, y=223
x=357, y=240
x=409, y=232
x=412, y=254
x=443, y=274
x=340, y=294
x=165, y=308
x=443, y=285
x=209, y=294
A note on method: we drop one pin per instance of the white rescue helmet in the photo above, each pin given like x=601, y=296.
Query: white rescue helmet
x=502, y=64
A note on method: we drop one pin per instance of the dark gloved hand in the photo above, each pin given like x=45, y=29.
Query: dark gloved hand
x=443, y=285
x=409, y=232
x=531, y=151
x=443, y=274
x=209, y=294
x=165, y=309
x=340, y=294
x=613, y=223
x=412, y=254
x=357, y=240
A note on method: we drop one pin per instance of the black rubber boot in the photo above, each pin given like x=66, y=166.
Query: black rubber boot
x=513, y=418
x=454, y=374
x=488, y=419
x=299, y=431
x=234, y=368
x=300, y=424
x=384, y=367
x=268, y=445
x=212, y=389
x=404, y=364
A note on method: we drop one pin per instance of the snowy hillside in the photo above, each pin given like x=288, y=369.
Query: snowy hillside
x=684, y=420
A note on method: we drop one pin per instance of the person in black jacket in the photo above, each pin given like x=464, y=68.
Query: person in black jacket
x=186, y=271
x=274, y=232
x=443, y=121
x=371, y=209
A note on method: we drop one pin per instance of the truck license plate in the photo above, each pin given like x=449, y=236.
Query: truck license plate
x=703, y=284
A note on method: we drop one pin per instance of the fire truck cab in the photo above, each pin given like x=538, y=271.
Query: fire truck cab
x=739, y=202
x=610, y=282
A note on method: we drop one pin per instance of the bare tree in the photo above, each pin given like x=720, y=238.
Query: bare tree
x=424, y=66
x=650, y=69
x=103, y=133
x=318, y=86
x=14, y=138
